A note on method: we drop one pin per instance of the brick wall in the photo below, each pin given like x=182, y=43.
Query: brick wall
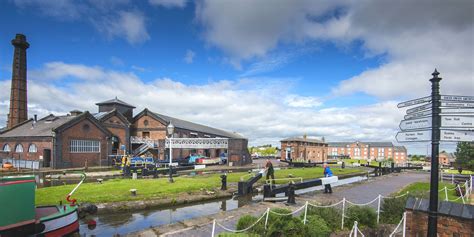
x=454, y=219
x=78, y=132
x=41, y=144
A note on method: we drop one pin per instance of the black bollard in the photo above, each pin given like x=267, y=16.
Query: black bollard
x=224, y=182
x=393, y=167
x=291, y=193
x=380, y=169
x=343, y=165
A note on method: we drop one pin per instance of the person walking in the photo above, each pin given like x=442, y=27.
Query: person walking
x=270, y=171
x=327, y=173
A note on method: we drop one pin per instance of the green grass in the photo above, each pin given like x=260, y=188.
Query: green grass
x=350, y=161
x=454, y=171
x=118, y=189
x=420, y=189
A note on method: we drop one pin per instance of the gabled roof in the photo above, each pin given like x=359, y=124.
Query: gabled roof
x=115, y=101
x=102, y=116
x=42, y=128
x=399, y=149
x=374, y=144
x=183, y=124
x=302, y=139
x=45, y=126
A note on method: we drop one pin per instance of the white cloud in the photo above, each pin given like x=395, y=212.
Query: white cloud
x=248, y=106
x=110, y=17
x=302, y=101
x=116, y=61
x=413, y=38
x=169, y=3
x=127, y=24
x=189, y=56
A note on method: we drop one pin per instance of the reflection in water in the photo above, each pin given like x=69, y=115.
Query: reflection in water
x=126, y=222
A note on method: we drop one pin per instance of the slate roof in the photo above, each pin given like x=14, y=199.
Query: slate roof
x=301, y=139
x=42, y=128
x=374, y=144
x=183, y=124
x=115, y=101
x=464, y=211
x=400, y=149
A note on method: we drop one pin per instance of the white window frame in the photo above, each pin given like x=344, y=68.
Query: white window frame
x=6, y=148
x=19, y=148
x=84, y=146
x=32, y=148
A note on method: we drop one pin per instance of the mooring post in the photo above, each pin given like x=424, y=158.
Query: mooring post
x=435, y=137
x=291, y=193
x=224, y=182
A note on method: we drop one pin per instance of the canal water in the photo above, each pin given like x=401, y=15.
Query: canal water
x=132, y=221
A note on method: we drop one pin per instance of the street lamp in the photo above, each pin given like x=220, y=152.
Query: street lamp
x=170, y=130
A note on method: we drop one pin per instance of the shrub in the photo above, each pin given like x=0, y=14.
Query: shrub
x=365, y=216
x=225, y=234
x=392, y=210
x=248, y=220
x=332, y=216
x=316, y=226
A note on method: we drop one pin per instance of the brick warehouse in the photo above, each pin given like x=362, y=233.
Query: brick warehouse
x=81, y=138
x=304, y=149
x=369, y=151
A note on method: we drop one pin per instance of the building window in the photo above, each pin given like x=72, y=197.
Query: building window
x=145, y=123
x=356, y=152
x=6, y=148
x=32, y=148
x=381, y=151
x=84, y=146
x=19, y=148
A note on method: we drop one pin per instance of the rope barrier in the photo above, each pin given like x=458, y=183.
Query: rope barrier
x=287, y=214
x=362, y=204
x=238, y=231
x=403, y=220
x=399, y=196
x=332, y=205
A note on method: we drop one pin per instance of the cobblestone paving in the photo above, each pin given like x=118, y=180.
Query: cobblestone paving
x=361, y=192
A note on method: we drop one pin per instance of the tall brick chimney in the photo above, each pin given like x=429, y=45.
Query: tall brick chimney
x=18, y=97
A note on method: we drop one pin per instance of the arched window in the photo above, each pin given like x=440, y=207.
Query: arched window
x=32, y=148
x=6, y=148
x=19, y=148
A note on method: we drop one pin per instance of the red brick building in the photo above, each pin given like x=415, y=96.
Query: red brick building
x=369, y=151
x=304, y=149
x=80, y=137
x=58, y=141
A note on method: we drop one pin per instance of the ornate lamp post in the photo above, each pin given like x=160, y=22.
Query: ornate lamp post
x=170, y=130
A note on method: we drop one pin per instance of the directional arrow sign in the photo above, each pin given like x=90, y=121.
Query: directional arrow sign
x=444, y=111
x=457, y=110
x=460, y=98
x=457, y=136
x=415, y=136
x=457, y=121
x=418, y=115
x=414, y=102
x=419, y=109
x=457, y=104
x=415, y=123
x=445, y=135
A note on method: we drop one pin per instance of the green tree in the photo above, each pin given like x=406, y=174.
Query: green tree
x=465, y=155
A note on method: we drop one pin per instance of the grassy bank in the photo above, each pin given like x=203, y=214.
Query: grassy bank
x=118, y=189
x=350, y=161
x=453, y=171
x=421, y=189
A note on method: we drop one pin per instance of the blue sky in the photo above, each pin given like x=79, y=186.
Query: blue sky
x=330, y=64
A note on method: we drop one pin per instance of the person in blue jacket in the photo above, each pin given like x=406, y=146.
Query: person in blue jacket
x=327, y=173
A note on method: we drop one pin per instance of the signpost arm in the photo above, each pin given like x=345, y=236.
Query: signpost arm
x=435, y=137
